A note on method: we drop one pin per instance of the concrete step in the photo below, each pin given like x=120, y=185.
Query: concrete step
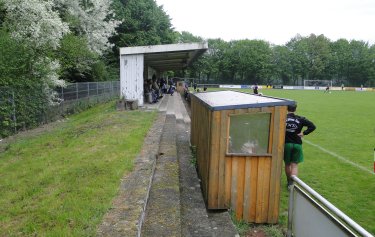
x=178, y=106
x=196, y=220
x=125, y=217
x=176, y=206
x=182, y=110
x=164, y=103
x=163, y=216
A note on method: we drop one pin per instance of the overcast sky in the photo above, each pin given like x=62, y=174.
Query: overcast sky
x=276, y=21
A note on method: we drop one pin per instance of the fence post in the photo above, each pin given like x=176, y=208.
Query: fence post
x=76, y=91
x=62, y=100
x=111, y=89
x=14, y=113
x=290, y=211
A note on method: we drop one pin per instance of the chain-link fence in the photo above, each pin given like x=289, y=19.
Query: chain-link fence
x=7, y=111
x=84, y=90
x=20, y=111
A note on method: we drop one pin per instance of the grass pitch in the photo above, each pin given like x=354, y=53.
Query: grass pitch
x=345, y=123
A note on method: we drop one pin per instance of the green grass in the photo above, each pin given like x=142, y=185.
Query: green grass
x=62, y=182
x=243, y=228
x=346, y=126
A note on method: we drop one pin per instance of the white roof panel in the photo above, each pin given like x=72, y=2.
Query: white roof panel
x=169, y=56
x=224, y=100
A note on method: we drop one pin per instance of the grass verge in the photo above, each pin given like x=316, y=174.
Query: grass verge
x=61, y=183
x=248, y=229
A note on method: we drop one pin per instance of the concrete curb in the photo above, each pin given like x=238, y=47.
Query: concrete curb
x=163, y=216
x=143, y=214
x=125, y=217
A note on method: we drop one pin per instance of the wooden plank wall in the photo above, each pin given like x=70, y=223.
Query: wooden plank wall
x=248, y=185
x=200, y=138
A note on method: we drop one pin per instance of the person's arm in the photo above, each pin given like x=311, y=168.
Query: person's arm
x=310, y=127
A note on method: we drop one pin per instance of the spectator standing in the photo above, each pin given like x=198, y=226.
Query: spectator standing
x=293, y=154
x=255, y=89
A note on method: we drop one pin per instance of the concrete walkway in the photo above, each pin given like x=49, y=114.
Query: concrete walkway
x=162, y=196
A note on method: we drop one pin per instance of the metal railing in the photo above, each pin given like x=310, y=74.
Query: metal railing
x=76, y=91
x=310, y=214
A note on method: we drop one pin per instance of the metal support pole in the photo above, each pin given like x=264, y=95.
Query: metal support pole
x=14, y=113
x=111, y=89
x=62, y=100
x=76, y=91
x=289, y=233
x=62, y=93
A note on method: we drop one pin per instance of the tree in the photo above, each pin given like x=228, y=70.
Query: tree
x=2, y=13
x=319, y=57
x=76, y=59
x=371, y=72
x=298, y=58
x=143, y=23
x=361, y=63
x=24, y=80
x=35, y=22
x=91, y=19
x=282, y=69
x=187, y=37
x=91, y=23
x=341, y=55
x=254, y=60
x=210, y=65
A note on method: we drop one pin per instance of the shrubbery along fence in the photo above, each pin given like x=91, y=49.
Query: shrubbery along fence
x=24, y=108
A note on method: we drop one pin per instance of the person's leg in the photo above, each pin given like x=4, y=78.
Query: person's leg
x=287, y=160
x=296, y=157
x=293, y=169
x=287, y=170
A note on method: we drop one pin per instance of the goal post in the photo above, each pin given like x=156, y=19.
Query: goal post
x=316, y=84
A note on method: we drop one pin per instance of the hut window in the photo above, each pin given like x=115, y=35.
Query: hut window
x=249, y=134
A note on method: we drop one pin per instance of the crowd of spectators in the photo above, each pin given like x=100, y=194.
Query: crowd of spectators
x=154, y=88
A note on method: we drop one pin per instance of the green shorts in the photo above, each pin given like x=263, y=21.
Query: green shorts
x=293, y=153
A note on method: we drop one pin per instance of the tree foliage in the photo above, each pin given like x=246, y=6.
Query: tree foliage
x=312, y=57
x=143, y=22
x=18, y=83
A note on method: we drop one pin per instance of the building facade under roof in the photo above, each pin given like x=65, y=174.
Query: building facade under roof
x=138, y=64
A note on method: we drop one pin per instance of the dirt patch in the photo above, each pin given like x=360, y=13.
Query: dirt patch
x=256, y=232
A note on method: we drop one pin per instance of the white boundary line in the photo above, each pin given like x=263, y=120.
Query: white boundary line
x=339, y=157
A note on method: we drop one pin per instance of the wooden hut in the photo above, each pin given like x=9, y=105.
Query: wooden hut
x=239, y=140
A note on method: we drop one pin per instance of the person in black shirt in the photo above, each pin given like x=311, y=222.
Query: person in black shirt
x=255, y=89
x=293, y=141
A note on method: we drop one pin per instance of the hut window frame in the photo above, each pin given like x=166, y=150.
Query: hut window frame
x=267, y=151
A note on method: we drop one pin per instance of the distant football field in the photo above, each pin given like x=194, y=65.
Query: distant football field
x=339, y=154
